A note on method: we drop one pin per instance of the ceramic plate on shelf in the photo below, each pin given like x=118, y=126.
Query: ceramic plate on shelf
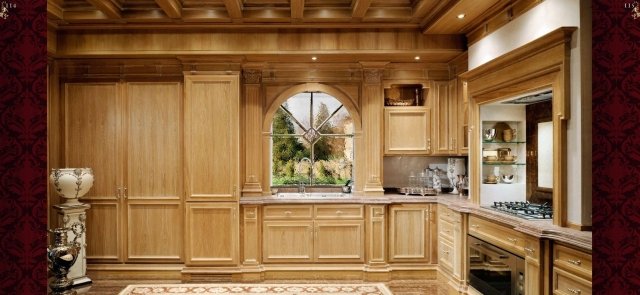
x=490, y=182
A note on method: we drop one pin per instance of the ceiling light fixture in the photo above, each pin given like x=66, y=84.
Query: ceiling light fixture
x=313, y=58
x=417, y=57
x=461, y=16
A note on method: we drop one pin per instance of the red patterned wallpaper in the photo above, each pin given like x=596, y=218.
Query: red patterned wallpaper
x=616, y=147
x=23, y=147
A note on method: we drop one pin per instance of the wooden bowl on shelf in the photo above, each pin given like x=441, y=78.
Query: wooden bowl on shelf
x=398, y=102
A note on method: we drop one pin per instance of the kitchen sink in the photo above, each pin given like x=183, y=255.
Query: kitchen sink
x=313, y=195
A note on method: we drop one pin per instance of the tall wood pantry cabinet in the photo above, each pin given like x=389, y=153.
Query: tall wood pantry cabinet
x=212, y=129
x=130, y=134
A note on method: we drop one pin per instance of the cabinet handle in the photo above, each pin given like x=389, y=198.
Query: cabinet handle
x=529, y=250
x=445, y=252
x=475, y=226
x=379, y=214
x=512, y=240
x=126, y=192
x=338, y=212
x=576, y=262
x=117, y=192
x=287, y=213
x=574, y=291
x=428, y=144
x=455, y=143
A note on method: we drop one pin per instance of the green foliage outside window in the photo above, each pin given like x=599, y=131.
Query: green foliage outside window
x=332, y=155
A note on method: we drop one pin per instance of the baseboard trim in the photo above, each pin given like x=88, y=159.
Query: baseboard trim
x=262, y=272
x=134, y=271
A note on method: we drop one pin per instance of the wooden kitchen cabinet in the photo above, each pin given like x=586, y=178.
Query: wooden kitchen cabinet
x=444, y=126
x=212, y=234
x=212, y=128
x=413, y=233
x=334, y=233
x=450, y=237
x=130, y=135
x=533, y=266
x=462, y=126
x=499, y=235
x=572, y=271
x=407, y=130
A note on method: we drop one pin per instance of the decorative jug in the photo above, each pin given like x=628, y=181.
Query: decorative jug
x=61, y=255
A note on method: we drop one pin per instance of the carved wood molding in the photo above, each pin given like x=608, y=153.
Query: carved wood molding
x=251, y=76
x=372, y=76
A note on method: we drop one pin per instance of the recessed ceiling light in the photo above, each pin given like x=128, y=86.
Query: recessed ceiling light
x=313, y=58
x=461, y=16
x=417, y=57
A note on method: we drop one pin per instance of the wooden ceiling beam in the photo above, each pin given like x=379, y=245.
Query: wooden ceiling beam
x=54, y=11
x=83, y=16
x=422, y=8
x=297, y=9
x=107, y=7
x=173, y=8
x=234, y=8
x=437, y=12
x=359, y=8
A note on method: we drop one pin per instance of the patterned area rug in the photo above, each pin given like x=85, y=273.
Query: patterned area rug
x=258, y=289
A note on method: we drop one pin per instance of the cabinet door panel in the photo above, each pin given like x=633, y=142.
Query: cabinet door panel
x=441, y=116
x=154, y=140
x=211, y=137
x=409, y=233
x=339, y=241
x=103, y=235
x=288, y=241
x=376, y=234
x=92, y=126
x=154, y=232
x=212, y=234
x=407, y=130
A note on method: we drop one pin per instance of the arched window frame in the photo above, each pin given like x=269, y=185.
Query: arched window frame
x=313, y=132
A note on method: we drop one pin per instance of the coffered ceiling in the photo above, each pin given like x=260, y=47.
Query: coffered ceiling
x=428, y=16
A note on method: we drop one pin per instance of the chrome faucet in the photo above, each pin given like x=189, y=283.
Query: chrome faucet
x=301, y=188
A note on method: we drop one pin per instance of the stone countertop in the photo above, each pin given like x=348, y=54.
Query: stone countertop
x=536, y=228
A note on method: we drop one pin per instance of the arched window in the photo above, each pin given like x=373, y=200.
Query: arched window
x=311, y=141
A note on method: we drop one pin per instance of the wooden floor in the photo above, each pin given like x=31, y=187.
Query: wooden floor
x=399, y=287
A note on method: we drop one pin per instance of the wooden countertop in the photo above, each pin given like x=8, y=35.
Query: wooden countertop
x=537, y=228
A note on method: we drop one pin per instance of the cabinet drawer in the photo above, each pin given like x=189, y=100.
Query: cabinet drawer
x=572, y=260
x=566, y=283
x=532, y=248
x=448, y=214
x=288, y=212
x=339, y=211
x=499, y=235
x=445, y=229
x=445, y=254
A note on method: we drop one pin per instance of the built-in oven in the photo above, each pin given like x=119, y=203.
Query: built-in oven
x=494, y=271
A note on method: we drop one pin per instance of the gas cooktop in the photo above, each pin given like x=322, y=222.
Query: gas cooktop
x=524, y=210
